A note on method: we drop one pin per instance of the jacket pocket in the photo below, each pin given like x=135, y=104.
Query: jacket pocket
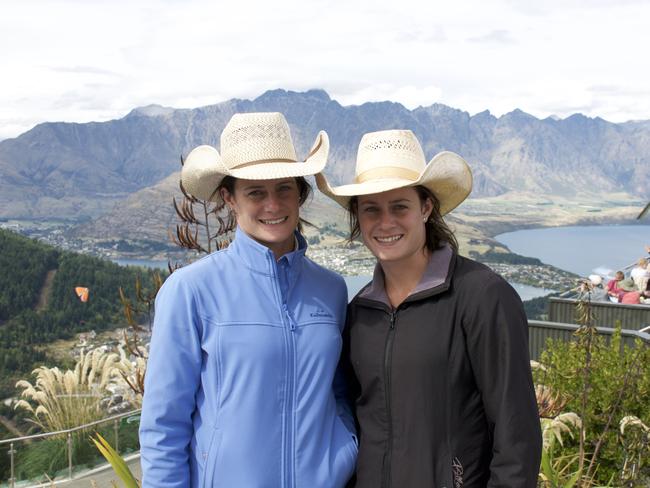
x=350, y=451
x=209, y=459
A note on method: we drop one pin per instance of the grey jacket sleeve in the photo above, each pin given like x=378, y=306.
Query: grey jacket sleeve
x=497, y=343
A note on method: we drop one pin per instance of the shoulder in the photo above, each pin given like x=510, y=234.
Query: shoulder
x=472, y=275
x=479, y=287
x=327, y=277
x=194, y=275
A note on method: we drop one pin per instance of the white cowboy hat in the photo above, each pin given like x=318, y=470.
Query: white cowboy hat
x=254, y=146
x=390, y=159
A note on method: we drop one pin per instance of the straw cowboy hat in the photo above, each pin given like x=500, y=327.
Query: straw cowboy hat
x=390, y=159
x=254, y=146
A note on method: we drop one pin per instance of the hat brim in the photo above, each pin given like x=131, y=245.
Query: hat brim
x=447, y=176
x=203, y=169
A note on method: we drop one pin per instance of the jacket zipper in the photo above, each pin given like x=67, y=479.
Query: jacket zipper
x=388, y=356
x=290, y=327
x=291, y=347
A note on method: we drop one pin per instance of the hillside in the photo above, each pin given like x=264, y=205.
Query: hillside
x=23, y=267
x=80, y=171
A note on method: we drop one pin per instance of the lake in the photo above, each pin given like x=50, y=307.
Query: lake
x=582, y=249
x=526, y=292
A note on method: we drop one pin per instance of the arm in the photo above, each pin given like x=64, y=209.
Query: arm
x=497, y=342
x=171, y=382
x=341, y=378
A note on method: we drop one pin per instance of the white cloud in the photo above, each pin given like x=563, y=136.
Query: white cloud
x=78, y=61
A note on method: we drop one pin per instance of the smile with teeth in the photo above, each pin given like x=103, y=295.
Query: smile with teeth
x=274, y=221
x=389, y=238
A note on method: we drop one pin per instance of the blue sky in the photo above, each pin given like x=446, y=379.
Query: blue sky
x=83, y=60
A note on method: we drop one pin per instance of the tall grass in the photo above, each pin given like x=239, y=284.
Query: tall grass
x=61, y=400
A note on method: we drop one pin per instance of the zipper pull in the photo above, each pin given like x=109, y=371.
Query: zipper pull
x=392, y=319
x=292, y=323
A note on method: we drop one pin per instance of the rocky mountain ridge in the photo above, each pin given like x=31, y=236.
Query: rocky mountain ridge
x=80, y=171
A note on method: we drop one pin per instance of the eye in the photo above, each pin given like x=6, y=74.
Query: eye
x=370, y=209
x=255, y=194
x=400, y=207
x=285, y=188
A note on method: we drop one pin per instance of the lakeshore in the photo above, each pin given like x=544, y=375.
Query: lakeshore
x=477, y=223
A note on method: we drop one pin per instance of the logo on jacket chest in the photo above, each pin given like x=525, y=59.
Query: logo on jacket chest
x=321, y=313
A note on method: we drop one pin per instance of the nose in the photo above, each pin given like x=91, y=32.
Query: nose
x=385, y=219
x=272, y=203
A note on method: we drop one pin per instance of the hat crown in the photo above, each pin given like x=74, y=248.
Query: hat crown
x=256, y=137
x=389, y=154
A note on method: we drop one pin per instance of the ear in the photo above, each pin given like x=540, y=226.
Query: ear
x=427, y=208
x=228, y=197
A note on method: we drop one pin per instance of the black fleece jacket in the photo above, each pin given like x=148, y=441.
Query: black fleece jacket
x=442, y=385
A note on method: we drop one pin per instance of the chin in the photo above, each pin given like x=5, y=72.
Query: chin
x=278, y=235
x=386, y=254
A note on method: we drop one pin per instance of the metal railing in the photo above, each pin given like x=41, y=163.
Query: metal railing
x=68, y=433
x=540, y=331
x=607, y=314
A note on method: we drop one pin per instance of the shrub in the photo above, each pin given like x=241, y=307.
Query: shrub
x=618, y=385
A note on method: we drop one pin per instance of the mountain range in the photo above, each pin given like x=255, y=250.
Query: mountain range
x=80, y=171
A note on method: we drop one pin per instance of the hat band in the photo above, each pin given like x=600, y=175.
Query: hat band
x=387, y=172
x=263, y=161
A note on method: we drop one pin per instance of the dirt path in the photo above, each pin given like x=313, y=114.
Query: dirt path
x=46, y=291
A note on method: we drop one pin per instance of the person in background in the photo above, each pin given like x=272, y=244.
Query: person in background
x=629, y=294
x=613, y=289
x=593, y=289
x=631, y=297
x=639, y=274
x=241, y=387
x=645, y=296
x=437, y=344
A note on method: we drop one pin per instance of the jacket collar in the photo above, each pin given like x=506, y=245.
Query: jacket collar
x=260, y=258
x=436, y=278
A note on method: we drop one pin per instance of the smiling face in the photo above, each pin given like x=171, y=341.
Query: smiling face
x=266, y=210
x=392, y=223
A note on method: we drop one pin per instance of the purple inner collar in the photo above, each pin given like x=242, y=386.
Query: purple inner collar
x=434, y=275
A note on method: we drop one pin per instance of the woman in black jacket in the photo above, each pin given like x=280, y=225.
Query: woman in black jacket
x=437, y=343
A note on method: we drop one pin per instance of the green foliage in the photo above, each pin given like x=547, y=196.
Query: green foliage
x=503, y=257
x=119, y=466
x=559, y=472
x=25, y=263
x=619, y=385
x=23, y=266
x=50, y=456
x=537, y=308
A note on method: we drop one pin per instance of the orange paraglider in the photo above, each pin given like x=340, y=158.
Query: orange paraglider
x=82, y=293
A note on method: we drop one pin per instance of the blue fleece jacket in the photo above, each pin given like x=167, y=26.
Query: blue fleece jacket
x=242, y=388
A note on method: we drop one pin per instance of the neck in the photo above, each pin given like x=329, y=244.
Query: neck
x=282, y=248
x=401, y=277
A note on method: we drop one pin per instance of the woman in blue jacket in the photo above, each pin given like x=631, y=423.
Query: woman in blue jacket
x=242, y=389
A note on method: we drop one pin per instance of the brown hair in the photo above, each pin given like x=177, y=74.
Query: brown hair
x=228, y=183
x=437, y=232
